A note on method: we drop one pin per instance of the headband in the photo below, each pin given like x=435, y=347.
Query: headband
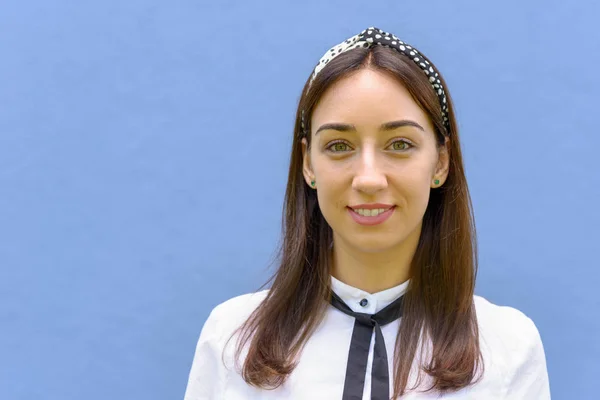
x=373, y=36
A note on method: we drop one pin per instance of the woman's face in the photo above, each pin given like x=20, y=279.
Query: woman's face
x=371, y=143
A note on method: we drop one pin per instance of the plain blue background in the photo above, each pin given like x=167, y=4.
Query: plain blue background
x=143, y=158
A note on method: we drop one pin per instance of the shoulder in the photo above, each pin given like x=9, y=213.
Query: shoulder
x=505, y=328
x=228, y=315
x=207, y=377
x=508, y=322
x=511, y=341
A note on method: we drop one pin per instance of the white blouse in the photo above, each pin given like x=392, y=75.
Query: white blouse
x=513, y=354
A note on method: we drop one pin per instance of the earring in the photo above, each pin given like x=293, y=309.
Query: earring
x=312, y=183
x=436, y=182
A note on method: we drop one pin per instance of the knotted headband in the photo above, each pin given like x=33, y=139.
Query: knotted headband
x=374, y=36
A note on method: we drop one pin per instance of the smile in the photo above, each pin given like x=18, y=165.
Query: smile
x=369, y=213
x=371, y=216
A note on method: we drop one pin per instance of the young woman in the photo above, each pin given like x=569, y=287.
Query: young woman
x=374, y=294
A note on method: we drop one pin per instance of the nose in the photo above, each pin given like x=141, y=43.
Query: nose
x=370, y=177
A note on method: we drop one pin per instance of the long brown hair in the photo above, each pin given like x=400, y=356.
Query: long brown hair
x=439, y=300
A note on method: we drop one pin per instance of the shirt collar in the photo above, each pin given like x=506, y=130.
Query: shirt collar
x=374, y=301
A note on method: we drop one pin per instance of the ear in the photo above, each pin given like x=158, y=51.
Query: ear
x=443, y=164
x=306, y=163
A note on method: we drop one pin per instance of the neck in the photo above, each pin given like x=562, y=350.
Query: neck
x=373, y=271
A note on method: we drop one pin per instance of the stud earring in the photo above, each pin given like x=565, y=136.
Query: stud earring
x=312, y=183
x=436, y=182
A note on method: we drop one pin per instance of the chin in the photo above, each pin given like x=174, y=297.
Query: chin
x=373, y=244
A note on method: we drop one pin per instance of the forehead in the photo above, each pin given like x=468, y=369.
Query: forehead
x=368, y=98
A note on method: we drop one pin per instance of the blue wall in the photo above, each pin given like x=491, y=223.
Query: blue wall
x=143, y=158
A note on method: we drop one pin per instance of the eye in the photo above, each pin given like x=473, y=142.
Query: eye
x=338, y=146
x=401, y=145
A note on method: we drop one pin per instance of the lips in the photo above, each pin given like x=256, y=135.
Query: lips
x=371, y=220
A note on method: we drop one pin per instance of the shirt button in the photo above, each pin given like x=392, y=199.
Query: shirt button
x=364, y=302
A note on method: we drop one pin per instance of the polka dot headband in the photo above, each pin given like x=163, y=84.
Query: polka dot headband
x=373, y=36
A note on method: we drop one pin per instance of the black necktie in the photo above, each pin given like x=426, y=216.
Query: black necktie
x=359, y=350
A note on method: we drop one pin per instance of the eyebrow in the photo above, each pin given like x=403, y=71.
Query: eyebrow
x=388, y=126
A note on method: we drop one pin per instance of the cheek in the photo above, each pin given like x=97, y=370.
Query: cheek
x=420, y=196
x=413, y=185
x=334, y=181
x=331, y=205
x=330, y=193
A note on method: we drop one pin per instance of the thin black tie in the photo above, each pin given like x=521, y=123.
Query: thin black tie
x=359, y=350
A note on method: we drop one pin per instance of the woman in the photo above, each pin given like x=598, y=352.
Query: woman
x=374, y=294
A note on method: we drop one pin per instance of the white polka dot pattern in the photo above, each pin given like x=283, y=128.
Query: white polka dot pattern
x=374, y=36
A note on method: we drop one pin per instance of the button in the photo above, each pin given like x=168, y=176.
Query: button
x=364, y=302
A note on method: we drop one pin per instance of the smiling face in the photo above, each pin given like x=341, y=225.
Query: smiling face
x=372, y=145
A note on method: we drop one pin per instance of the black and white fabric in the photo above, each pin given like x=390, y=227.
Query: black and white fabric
x=374, y=36
x=364, y=326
